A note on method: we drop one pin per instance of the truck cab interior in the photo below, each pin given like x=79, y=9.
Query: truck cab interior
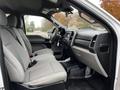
x=66, y=48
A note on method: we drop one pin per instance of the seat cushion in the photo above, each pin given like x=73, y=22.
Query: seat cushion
x=45, y=73
x=43, y=51
x=44, y=57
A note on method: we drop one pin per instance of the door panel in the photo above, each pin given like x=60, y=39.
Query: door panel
x=38, y=42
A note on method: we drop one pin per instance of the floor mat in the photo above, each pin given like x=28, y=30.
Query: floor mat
x=80, y=85
x=94, y=83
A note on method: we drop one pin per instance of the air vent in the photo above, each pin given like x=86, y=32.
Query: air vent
x=93, y=41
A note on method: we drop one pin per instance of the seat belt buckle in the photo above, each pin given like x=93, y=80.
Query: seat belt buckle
x=31, y=64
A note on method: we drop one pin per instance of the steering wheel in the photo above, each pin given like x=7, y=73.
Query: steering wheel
x=55, y=35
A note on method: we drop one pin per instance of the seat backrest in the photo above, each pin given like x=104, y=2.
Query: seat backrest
x=16, y=58
x=26, y=41
x=12, y=22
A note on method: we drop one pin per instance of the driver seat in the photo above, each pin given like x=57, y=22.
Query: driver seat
x=42, y=74
x=12, y=22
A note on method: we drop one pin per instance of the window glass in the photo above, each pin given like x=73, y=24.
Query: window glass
x=36, y=25
x=111, y=6
x=77, y=20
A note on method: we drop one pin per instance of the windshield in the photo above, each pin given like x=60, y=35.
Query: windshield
x=74, y=21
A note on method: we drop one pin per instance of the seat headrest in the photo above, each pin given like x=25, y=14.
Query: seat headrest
x=12, y=20
x=20, y=23
x=3, y=18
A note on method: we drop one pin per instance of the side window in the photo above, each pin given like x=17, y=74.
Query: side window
x=36, y=25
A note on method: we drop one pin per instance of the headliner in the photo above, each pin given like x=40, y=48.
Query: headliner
x=29, y=6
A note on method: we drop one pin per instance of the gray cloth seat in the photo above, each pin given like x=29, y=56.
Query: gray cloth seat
x=12, y=22
x=43, y=53
x=17, y=60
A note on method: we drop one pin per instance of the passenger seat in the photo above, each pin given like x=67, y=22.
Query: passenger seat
x=17, y=61
x=12, y=22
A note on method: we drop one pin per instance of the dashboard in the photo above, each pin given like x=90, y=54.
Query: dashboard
x=91, y=47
